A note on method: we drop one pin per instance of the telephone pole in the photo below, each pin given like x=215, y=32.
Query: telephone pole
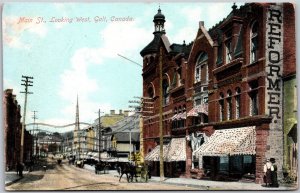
x=34, y=136
x=26, y=82
x=99, y=133
x=161, y=153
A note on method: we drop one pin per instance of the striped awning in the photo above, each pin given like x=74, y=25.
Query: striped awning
x=181, y=116
x=174, y=151
x=177, y=150
x=236, y=141
x=194, y=112
x=154, y=154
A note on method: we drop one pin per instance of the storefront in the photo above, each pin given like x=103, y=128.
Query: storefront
x=228, y=154
x=174, y=154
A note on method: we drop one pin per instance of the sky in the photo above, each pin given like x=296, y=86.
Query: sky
x=69, y=58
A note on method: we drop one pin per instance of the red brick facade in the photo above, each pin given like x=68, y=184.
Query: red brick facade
x=12, y=131
x=238, y=80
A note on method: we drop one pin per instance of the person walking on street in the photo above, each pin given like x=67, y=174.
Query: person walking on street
x=274, y=179
x=268, y=168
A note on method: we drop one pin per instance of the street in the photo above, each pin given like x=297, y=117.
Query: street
x=69, y=177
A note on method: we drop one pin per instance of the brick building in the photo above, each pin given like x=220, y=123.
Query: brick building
x=228, y=93
x=12, y=131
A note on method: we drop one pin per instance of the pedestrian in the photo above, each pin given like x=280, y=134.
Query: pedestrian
x=268, y=168
x=274, y=179
x=20, y=168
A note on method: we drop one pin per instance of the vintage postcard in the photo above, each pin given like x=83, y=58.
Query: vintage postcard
x=149, y=96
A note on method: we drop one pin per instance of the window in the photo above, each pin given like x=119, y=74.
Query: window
x=165, y=92
x=254, y=42
x=150, y=92
x=253, y=98
x=228, y=52
x=221, y=107
x=201, y=69
x=229, y=103
x=238, y=103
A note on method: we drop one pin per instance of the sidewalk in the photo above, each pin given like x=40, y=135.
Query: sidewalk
x=12, y=177
x=204, y=184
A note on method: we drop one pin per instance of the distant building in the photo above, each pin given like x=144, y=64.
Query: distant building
x=90, y=140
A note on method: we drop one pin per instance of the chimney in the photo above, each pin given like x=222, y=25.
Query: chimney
x=120, y=112
x=126, y=113
x=112, y=112
x=201, y=23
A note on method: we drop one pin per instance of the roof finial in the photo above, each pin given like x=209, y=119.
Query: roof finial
x=234, y=6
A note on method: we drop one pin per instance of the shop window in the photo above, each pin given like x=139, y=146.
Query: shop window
x=238, y=103
x=254, y=42
x=224, y=163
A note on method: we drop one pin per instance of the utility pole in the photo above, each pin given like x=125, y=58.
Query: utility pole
x=34, y=136
x=99, y=133
x=26, y=82
x=161, y=153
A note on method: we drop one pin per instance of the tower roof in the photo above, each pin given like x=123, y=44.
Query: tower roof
x=159, y=16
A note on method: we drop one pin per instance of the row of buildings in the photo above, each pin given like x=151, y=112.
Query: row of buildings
x=229, y=97
x=12, y=132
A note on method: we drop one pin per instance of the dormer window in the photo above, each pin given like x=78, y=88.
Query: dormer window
x=228, y=52
x=254, y=42
x=201, y=69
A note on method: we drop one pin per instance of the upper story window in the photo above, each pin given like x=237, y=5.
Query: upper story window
x=150, y=92
x=253, y=98
x=165, y=86
x=228, y=47
x=201, y=69
x=238, y=103
x=229, y=103
x=254, y=42
x=221, y=107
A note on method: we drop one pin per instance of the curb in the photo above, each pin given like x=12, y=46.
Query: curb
x=178, y=184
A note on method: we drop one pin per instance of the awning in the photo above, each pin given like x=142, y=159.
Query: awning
x=194, y=112
x=236, y=141
x=177, y=150
x=174, y=151
x=181, y=116
x=154, y=154
x=174, y=117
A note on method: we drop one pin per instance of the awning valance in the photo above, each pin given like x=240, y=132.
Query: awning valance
x=194, y=112
x=174, y=151
x=236, y=141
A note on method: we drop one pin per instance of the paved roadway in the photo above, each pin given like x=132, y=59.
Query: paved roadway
x=69, y=177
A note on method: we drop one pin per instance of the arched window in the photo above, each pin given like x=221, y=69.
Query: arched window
x=253, y=42
x=201, y=69
x=165, y=86
x=238, y=103
x=229, y=105
x=150, y=92
x=221, y=106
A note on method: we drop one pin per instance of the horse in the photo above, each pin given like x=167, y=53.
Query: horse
x=129, y=170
